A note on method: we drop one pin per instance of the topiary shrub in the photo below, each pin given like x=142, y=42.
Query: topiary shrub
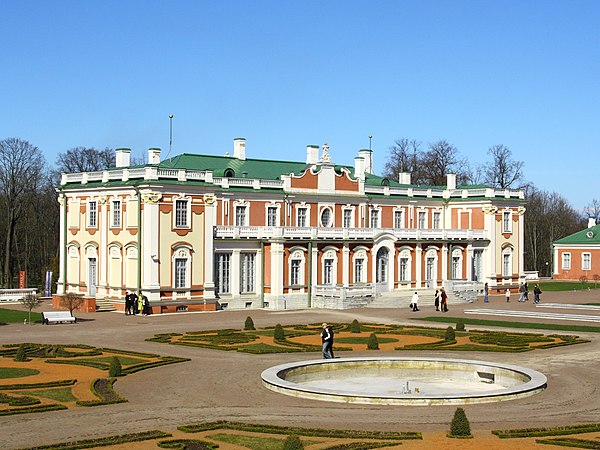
x=114, y=370
x=460, y=427
x=450, y=335
x=278, y=333
x=460, y=325
x=249, y=324
x=354, y=326
x=293, y=442
x=373, y=342
x=21, y=354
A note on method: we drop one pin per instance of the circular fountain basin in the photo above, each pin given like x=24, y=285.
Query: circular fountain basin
x=404, y=381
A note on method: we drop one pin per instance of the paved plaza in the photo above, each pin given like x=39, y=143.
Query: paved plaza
x=218, y=385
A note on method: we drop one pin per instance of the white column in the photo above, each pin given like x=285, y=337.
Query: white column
x=61, y=284
x=276, y=269
x=521, y=240
x=314, y=269
x=209, y=224
x=469, y=265
x=150, y=238
x=419, y=266
x=235, y=272
x=102, y=290
x=444, y=274
x=346, y=265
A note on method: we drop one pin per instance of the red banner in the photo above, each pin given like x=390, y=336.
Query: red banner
x=22, y=279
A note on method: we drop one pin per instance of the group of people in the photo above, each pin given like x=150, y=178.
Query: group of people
x=524, y=293
x=135, y=304
x=440, y=301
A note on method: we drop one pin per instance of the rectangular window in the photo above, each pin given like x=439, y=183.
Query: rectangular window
x=506, y=222
x=421, y=219
x=398, y=219
x=586, y=261
x=301, y=218
x=506, y=270
x=247, y=272
x=403, y=269
x=180, y=272
x=566, y=261
x=295, y=266
x=240, y=216
x=455, y=274
x=116, y=214
x=181, y=213
x=374, y=218
x=347, y=218
x=92, y=214
x=272, y=216
x=223, y=272
x=328, y=271
x=437, y=220
x=359, y=270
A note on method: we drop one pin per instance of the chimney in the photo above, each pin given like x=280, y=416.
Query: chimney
x=239, y=148
x=450, y=181
x=153, y=155
x=359, y=167
x=591, y=222
x=367, y=155
x=122, y=157
x=404, y=178
x=312, y=154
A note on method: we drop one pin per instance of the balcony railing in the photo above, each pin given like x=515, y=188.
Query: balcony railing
x=252, y=232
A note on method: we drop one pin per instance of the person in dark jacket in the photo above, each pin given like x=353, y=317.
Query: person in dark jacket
x=127, y=303
x=536, y=294
x=327, y=340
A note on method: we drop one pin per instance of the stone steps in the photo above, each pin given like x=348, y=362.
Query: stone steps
x=402, y=298
x=103, y=305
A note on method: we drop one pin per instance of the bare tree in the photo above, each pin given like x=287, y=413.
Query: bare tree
x=503, y=171
x=84, y=159
x=592, y=210
x=405, y=156
x=21, y=170
x=31, y=301
x=71, y=301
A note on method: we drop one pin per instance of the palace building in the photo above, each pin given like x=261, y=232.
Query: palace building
x=577, y=256
x=205, y=232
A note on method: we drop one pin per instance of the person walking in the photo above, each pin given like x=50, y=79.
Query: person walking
x=444, y=301
x=414, y=302
x=145, y=305
x=436, y=300
x=127, y=303
x=522, y=292
x=486, y=298
x=327, y=340
x=536, y=294
x=507, y=295
x=134, y=303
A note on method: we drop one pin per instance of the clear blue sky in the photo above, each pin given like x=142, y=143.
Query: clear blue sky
x=284, y=74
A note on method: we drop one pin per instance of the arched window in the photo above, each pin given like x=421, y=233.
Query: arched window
x=404, y=265
x=296, y=267
x=360, y=266
x=181, y=267
x=329, y=266
x=456, y=264
x=383, y=255
x=229, y=173
x=507, y=261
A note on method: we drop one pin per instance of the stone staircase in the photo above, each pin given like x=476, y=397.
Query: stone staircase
x=402, y=298
x=104, y=305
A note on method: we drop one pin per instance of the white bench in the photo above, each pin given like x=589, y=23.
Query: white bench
x=57, y=317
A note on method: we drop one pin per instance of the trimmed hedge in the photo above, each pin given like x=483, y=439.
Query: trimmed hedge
x=11, y=387
x=103, y=389
x=317, y=432
x=32, y=409
x=361, y=445
x=103, y=442
x=571, y=442
x=460, y=427
x=553, y=431
x=184, y=444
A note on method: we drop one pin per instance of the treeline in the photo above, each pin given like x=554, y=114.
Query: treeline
x=29, y=210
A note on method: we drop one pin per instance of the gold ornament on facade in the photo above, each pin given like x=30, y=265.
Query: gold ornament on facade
x=151, y=197
x=490, y=209
x=102, y=199
x=209, y=199
x=521, y=210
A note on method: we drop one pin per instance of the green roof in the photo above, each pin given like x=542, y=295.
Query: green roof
x=588, y=236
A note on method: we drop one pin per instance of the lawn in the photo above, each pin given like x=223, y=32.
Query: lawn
x=15, y=316
x=556, y=286
x=507, y=324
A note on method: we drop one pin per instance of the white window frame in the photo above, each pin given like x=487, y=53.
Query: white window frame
x=359, y=267
x=182, y=217
x=247, y=272
x=116, y=213
x=306, y=216
x=329, y=223
x=586, y=261
x=241, y=214
x=437, y=220
x=566, y=261
x=181, y=255
x=422, y=219
x=348, y=217
x=268, y=208
x=300, y=258
x=404, y=270
x=456, y=265
x=398, y=218
x=223, y=277
x=507, y=255
x=507, y=221
x=92, y=214
x=329, y=277
x=375, y=217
